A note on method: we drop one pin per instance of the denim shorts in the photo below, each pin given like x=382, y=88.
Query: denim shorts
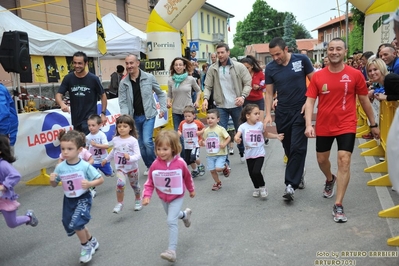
x=217, y=161
x=106, y=169
x=76, y=213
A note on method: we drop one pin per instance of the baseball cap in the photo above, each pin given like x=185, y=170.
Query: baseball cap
x=394, y=16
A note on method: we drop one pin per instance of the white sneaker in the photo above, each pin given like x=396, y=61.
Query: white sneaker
x=231, y=151
x=263, y=192
x=186, y=219
x=93, y=192
x=145, y=172
x=137, y=205
x=256, y=193
x=289, y=193
x=118, y=207
x=169, y=255
x=86, y=253
x=242, y=158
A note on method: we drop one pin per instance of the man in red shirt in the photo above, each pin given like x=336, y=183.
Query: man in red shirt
x=336, y=86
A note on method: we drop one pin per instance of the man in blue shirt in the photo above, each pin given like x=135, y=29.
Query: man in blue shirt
x=286, y=75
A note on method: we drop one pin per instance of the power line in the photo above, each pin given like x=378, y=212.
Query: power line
x=279, y=27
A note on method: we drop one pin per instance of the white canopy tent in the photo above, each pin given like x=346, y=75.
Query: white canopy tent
x=44, y=42
x=121, y=37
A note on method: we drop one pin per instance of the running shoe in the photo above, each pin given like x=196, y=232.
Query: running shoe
x=201, y=169
x=328, y=191
x=94, y=243
x=231, y=151
x=289, y=193
x=137, y=205
x=169, y=255
x=338, y=214
x=33, y=220
x=86, y=253
x=145, y=172
x=118, y=208
x=256, y=193
x=263, y=192
x=195, y=173
x=186, y=219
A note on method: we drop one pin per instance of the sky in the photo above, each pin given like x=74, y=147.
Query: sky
x=311, y=13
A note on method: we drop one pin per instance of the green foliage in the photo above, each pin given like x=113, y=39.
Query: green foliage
x=301, y=32
x=237, y=51
x=263, y=24
x=355, y=37
x=288, y=36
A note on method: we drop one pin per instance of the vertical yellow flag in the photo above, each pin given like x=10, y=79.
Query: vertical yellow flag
x=102, y=47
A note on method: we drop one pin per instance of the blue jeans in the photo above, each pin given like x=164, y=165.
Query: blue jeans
x=145, y=128
x=174, y=213
x=176, y=122
x=235, y=114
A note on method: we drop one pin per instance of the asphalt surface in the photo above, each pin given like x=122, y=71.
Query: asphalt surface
x=229, y=227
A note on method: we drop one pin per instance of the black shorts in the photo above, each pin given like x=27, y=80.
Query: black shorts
x=190, y=156
x=345, y=142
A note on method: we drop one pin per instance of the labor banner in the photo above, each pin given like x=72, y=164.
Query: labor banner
x=37, y=145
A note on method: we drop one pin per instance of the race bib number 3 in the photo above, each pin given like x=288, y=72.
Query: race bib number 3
x=72, y=184
x=168, y=181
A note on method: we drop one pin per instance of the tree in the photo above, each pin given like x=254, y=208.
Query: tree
x=263, y=24
x=251, y=30
x=301, y=32
x=237, y=51
x=355, y=38
x=288, y=36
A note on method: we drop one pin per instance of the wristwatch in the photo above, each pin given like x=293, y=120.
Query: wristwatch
x=373, y=126
x=103, y=112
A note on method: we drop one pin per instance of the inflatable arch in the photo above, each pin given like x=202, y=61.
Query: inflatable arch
x=376, y=11
x=163, y=34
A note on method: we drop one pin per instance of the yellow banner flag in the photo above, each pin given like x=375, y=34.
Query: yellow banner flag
x=62, y=66
x=102, y=47
x=38, y=68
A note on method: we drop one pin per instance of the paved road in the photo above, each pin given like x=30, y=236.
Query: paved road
x=229, y=227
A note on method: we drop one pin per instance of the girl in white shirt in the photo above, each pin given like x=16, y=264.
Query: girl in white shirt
x=252, y=132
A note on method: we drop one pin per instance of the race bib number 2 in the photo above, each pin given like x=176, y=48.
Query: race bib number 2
x=168, y=181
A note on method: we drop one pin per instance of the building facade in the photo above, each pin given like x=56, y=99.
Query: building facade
x=261, y=50
x=67, y=16
x=334, y=28
x=207, y=28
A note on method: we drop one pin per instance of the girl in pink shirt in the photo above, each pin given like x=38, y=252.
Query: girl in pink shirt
x=170, y=177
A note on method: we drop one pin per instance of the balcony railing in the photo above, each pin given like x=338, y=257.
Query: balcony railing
x=217, y=38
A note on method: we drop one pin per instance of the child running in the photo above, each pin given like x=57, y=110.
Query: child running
x=97, y=144
x=215, y=140
x=126, y=154
x=251, y=131
x=77, y=176
x=84, y=154
x=170, y=176
x=192, y=129
x=9, y=178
